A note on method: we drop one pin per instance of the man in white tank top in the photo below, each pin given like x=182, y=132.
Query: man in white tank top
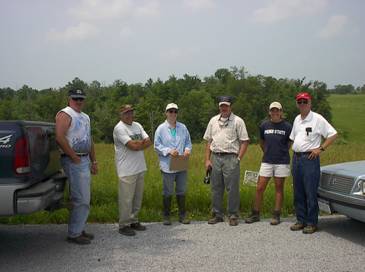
x=73, y=136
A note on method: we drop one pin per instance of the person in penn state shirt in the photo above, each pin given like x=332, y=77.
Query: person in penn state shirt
x=275, y=143
x=73, y=135
x=308, y=130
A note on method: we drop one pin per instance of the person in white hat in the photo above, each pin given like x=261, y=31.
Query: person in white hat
x=172, y=138
x=275, y=143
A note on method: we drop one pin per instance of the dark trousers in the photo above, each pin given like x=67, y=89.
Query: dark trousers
x=306, y=175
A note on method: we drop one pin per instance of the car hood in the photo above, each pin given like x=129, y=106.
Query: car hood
x=352, y=169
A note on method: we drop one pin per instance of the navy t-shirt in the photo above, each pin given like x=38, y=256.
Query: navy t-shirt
x=276, y=140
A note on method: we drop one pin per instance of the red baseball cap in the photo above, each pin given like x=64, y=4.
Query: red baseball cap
x=305, y=96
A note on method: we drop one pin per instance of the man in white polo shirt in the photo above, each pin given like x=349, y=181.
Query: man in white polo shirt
x=227, y=141
x=308, y=130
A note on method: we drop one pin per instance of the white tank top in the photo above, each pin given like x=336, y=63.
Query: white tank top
x=79, y=134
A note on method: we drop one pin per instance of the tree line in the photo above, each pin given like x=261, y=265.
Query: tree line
x=347, y=89
x=196, y=98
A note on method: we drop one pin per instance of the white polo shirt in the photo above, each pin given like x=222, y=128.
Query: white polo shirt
x=307, y=133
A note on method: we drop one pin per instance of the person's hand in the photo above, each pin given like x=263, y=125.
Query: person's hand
x=208, y=164
x=94, y=168
x=186, y=153
x=174, y=152
x=76, y=159
x=314, y=153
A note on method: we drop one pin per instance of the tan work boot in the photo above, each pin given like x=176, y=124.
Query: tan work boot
x=275, y=220
x=297, y=226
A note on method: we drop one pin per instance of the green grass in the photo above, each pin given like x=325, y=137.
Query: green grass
x=348, y=116
x=348, y=113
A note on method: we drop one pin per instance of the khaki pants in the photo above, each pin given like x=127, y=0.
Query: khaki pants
x=130, y=198
x=225, y=175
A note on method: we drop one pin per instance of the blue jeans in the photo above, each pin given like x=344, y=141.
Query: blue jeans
x=306, y=175
x=168, y=180
x=79, y=179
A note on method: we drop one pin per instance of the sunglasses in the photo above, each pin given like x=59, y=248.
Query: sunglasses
x=302, y=102
x=78, y=99
x=172, y=111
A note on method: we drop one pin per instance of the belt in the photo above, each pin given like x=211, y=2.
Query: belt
x=78, y=154
x=224, y=153
x=299, y=154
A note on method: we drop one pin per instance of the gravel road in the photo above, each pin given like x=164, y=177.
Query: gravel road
x=339, y=245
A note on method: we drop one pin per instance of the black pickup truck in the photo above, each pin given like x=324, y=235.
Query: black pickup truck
x=31, y=178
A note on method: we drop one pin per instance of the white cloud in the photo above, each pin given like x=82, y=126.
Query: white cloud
x=150, y=9
x=334, y=27
x=126, y=32
x=179, y=54
x=80, y=32
x=90, y=10
x=196, y=5
x=278, y=10
x=96, y=16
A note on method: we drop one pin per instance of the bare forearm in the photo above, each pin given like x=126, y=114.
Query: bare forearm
x=92, y=152
x=207, y=152
x=243, y=149
x=146, y=143
x=63, y=143
x=329, y=141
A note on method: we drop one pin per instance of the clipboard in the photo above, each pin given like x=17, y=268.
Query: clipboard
x=179, y=163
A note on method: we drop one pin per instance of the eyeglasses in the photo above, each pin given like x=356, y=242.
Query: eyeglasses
x=78, y=99
x=299, y=102
x=172, y=111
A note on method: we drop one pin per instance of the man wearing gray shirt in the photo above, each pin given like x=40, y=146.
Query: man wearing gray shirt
x=227, y=142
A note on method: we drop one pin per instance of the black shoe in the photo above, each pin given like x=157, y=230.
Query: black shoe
x=215, y=220
x=166, y=221
x=184, y=220
x=254, y=217
x=88, y=235
x=138, y=226
x=128, y=231
x=80, y=240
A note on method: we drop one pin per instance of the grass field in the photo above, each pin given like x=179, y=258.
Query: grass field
x=347, y=116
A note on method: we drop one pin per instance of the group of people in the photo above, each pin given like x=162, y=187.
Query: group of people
x=226, y=144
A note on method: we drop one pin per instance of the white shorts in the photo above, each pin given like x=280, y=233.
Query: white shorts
x=276, y=170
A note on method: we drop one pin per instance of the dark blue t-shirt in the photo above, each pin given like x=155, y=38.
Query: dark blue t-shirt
x=276, y=140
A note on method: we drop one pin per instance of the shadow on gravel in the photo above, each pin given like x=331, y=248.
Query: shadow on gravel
x=346, y=228
x=158, y=239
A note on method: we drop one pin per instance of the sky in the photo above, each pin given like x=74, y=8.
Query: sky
x=46, y=44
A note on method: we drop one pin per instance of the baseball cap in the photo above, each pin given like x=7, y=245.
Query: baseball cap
x=275, y=105
x=76, y=93
x=171, y=106
x=126, y=108
x=304, y=95
x=225, y=100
